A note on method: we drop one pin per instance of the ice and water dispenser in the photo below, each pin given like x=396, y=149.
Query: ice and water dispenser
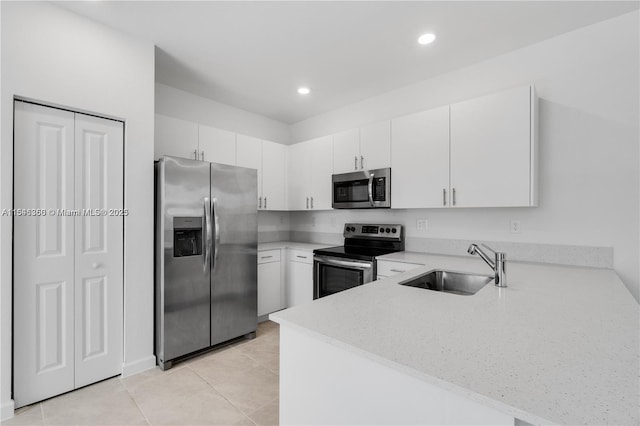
x=187, y=236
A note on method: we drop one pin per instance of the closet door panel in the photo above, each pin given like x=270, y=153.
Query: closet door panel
x=43, y=351
x=98, y=249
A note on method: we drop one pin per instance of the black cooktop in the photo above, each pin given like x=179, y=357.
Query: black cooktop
x=360, y=253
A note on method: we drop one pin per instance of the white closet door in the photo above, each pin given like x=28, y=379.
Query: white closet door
x=98, y=249
x=43, y=254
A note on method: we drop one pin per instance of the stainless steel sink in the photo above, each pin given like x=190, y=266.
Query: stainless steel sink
x=449, y=282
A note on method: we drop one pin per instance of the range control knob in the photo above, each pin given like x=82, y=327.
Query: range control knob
x=382, y=230
x=394, y=230
x=388, y=230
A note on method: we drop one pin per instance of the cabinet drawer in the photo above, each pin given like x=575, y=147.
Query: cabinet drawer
x=266, y=256
x=388, y=269
x=300, y=256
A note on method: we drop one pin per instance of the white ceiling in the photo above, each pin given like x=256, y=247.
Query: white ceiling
x=254, y=55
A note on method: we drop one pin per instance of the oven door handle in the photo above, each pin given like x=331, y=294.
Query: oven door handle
x=370, y=188
x=349, y=264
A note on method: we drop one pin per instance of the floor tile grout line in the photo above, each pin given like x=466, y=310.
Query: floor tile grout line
x=144, y=416
x=220, y=393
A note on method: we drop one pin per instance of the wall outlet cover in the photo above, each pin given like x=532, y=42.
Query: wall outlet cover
x=515, y=227
x=422, y=224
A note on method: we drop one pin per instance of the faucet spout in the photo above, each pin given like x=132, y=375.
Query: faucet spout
x=499, y=265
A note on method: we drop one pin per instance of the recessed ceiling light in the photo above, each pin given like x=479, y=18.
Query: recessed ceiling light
x=426, y=38
x=304, y=90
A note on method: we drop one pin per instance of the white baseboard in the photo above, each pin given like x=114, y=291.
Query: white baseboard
x=6, y=410
x=138, y=366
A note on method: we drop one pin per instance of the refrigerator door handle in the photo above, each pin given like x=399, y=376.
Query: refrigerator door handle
x=207, y=230
x=216, y=230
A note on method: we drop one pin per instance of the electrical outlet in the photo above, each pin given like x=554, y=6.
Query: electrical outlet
x=313, y=221
x=515, y=226
x=421, y=224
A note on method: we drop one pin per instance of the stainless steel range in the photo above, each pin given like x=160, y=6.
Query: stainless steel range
x=339, y=268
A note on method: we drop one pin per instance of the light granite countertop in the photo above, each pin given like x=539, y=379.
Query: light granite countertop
x=290, y=244
x=558, y=345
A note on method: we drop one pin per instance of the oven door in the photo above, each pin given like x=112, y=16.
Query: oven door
x=333, y=274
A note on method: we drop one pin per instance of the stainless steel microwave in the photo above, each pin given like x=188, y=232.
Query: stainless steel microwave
x=367, y=189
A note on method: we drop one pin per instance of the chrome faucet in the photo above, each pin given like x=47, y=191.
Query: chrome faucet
x=498, y=265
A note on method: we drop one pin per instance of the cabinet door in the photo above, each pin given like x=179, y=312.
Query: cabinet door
x=420, y=159
x=175, y=137
x=216, y=145
x=321, y=169
x=346, y=151
x=491, y=150
x=299, y=283
x=375, y=145
x=98, y=249
x=269, y=288
x=299, y=178
x=274, y=172
x=249, y=154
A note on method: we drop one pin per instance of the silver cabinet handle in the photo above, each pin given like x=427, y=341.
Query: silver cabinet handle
x=307, y=202
x=265, y=202
x=216, y=229
x=301, y=257
x=259, y=202
x=202, y=155
x=207, y=239
x=453, y=196
x=370, y=189
x=311, y=202
x=361, y=162
x=266, y=257
x=397, y=270
x=444, y=196
x=195, y=154
x=355, y=163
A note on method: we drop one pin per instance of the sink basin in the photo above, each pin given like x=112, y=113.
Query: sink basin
x=449, y=282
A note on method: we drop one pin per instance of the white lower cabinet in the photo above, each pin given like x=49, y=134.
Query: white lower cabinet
x=270, y=288
x=299, y=277
x=388, y=268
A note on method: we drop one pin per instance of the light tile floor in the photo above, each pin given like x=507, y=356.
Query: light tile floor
x=234, y=385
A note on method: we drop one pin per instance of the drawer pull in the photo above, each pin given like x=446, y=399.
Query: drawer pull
x=266, y=257
x=397, y=270
x=301, y=257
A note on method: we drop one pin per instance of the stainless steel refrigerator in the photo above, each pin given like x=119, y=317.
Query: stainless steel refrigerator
x=206, y=256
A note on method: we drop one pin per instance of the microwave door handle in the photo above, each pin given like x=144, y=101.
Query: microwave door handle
x=370, y=188
x=207, y=233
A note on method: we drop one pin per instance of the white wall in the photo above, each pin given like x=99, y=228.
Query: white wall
x=187, y=106
x=54, y=56
x=588, y=84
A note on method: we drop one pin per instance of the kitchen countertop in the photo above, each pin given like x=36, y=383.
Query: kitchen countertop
x=558, y=345
x=290, y=244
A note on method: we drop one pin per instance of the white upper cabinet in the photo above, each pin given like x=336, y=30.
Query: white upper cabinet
x=321, y=159
x=420, y=160
x=249, y=154
x=274, y=173
x=269, y=159
x=299, y=177
x=366, y=148
x=310, y=169
x=346, y=151
x=375, y=145
x=493, y=146
x=216, y=145
x=175, y=137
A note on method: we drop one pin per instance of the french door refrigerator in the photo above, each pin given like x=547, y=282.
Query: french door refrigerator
x=206, y=256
